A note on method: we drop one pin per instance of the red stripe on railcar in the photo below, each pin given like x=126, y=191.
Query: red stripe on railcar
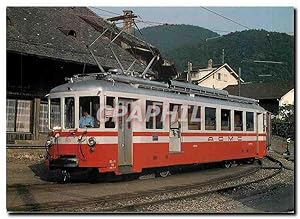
x=150, y=133
x=88, y=133
x=219, y=134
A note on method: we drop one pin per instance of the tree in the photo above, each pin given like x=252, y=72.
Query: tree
x=284, y=124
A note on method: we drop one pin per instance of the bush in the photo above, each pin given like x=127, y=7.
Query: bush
x=284, y=124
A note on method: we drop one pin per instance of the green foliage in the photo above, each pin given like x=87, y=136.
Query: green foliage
x=181, y=47
x=286, y=114
x=284, y=124
x=168, y=37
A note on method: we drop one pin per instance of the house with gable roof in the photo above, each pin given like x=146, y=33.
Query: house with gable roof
x=218, y=76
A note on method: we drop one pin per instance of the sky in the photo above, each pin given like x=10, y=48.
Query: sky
x=279, y=19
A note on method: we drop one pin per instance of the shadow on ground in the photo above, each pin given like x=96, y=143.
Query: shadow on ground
x=278, y=198
x=92, y=176
x=41, y=171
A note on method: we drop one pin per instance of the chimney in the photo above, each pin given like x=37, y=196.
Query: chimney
x=128, y=14
x=188, y=75
x=210, y=63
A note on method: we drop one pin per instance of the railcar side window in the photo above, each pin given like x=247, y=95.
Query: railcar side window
x=55, y=119
x=174, y=116
x=210, y=118
x=109, y=109
x=194, y=116
x=225, y=120
x=238, y=120
x=153, y=118
x=158, y=121
x=69, y=113
x=249, y=121
x=88, y=108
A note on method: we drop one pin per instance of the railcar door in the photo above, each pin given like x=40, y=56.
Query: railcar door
x=125, y=136
x=268, y=129
x=175, y=128
x=259, y=128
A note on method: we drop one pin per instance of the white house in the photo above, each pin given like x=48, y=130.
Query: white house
x=215, y=77
x=287, y=99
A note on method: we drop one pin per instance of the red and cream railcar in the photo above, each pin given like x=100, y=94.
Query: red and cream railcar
x=228, y=127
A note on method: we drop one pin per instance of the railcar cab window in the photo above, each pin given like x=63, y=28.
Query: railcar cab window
x=194, y=117
x=249, y=121
x=153, y=115
x=225, y=120
x=69, y=113
x=109, y=110
x=238, y=120
x=210, y=118
x=55, y=114
x=88, y=108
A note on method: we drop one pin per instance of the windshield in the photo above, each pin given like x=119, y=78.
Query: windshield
x=55, y=113
x=69, y=112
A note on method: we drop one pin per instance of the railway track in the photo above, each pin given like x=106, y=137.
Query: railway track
x=12, y=146
x=228, y=186
x=129, y=202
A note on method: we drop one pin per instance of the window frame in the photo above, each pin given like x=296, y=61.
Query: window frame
x=205, y=125
x=116, y=102
x=188, y=118
x=63, y=99
x=253, y=121
x=242, y=117
x=78, y=111
x=230, y=120
x=154, y=103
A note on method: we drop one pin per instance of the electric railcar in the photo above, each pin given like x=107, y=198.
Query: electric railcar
x=121, y=140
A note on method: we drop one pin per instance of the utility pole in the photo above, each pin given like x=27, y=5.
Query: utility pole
x=128, y=20
x=127, y=17
x=240, y=72
x=223, y=56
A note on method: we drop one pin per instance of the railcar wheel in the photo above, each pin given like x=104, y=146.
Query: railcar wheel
x=227, y=164
x=65, y=176
x=250, y=161
x=164, y=173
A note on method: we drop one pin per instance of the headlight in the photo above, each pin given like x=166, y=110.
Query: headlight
x=91, y=141
x=48, y=142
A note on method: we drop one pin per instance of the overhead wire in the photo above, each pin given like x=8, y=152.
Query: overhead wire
x=106, y=11
x=152, y=22
x=166, y=23
x=229, y=19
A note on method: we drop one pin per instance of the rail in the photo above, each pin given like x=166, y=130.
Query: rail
x=13, y=146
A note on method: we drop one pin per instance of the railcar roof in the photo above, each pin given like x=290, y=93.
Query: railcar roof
x=104, y=85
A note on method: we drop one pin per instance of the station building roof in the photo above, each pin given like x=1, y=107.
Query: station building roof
x=63, y=33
